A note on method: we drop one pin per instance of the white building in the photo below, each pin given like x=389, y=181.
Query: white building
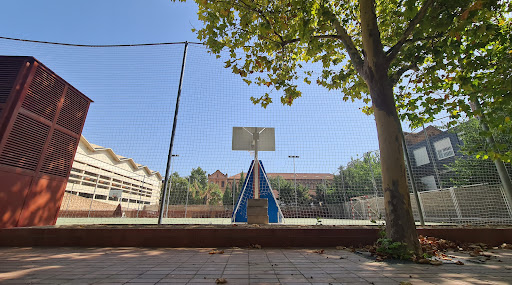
x=100, y=173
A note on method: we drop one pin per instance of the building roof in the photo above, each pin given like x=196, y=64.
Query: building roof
x=290, y=176
x=119, y=158
x=414, y=138
x=218, y=172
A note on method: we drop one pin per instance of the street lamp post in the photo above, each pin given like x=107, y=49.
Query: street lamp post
x=295, y=183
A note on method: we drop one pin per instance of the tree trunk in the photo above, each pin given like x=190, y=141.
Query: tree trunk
x=400, y=224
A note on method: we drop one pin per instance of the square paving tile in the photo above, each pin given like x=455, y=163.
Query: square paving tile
x=238, y=266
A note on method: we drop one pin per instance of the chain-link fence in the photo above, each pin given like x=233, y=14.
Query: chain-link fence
x=453, y=185
x=325, y=168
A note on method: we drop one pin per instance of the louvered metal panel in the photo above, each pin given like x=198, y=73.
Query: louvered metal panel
x=44, y=94
x=9, y=72
x=25, y=143
x=59, y=154
x=73, y=111
x=39, y=134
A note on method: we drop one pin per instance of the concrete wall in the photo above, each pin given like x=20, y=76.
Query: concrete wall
x=77, y=203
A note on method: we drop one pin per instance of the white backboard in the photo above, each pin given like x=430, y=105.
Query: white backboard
x=243, y=138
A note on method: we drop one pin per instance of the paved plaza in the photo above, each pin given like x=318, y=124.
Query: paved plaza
x=67, y=265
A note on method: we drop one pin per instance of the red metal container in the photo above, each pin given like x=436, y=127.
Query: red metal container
x=41, y=120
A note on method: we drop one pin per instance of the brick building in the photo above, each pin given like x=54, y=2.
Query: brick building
x=218, y=178
x=310, y=180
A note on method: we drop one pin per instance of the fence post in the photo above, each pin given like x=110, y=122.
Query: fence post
x=500, y=167
x=70, y=196
x=93, y=193
x=140, y=195
x=508, y=205
x=186, y=202
x=413, y=182
x=455, y=203
x=368, y=155
x=233, y=194
x=434, y=155
x=166, y=179
x=170, y=190
x=423, y=213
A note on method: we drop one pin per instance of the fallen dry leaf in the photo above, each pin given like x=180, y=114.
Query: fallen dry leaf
x=436, y=262
x=320, y=251
x=459, y=263
x=221, y=281
x=257, y=246
x=216, y=252
x=340, y=247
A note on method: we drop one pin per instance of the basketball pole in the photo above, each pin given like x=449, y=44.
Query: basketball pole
x=256, y=137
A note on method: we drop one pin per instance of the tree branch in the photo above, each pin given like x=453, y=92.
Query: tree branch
x=396, y=76
x=336, y=37
x=428, y=38
x=370, y=33
x=349, y=45
x=282, y=41
x=262, y=15
x=393, y=51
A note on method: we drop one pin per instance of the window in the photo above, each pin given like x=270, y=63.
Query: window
x=429, y=182
x=421, y=156
x=444, y=148
x=222, y=184
x=100, y=197
x=88, y=184
x=76, y=170
x=92, y=180
x=75, y=176
x=85, y=195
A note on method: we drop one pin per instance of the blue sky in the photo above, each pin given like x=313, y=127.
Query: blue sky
x=99, y=21
x=134, y=89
